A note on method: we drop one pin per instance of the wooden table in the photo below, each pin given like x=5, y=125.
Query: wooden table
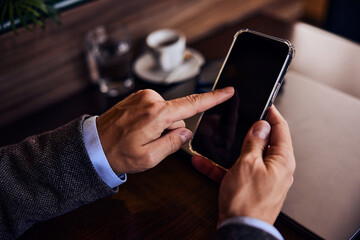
x=171, y=201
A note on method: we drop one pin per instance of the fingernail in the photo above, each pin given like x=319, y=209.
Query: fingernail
x=185, y=135
x=261, y=130
x=229, y=89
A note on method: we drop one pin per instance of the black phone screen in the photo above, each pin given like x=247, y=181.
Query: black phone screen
x=252, y=68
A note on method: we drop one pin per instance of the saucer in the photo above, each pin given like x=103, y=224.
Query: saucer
x=145, y=68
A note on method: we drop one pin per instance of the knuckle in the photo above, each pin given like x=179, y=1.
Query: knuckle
x=288, y=169
x=149, y=95
x=248, y=160
x=288, y=164
x=214, y=95
x=148, y=160
x=143, y=94
x=135, y=94
x=252, y=144
x=138, y=92
x=193, y=98
x=167, y=109
x=153, y=109
x=249, y=157
x=288, y=177
x=173, y=142
x=291, y=166
x=147, y=92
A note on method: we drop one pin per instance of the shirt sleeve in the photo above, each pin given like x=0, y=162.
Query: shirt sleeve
x=254, y=223
x=97, y=155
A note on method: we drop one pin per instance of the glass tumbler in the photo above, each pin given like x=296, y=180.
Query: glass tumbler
x=108, y=56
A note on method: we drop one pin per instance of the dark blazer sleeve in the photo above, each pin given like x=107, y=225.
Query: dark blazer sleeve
x=45, y=176
x=241, y=232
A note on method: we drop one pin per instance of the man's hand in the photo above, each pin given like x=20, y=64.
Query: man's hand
x=140, y=131
x=257, y=184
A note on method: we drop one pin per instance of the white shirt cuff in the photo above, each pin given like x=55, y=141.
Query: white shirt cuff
x=97, y=155
x=254, y=223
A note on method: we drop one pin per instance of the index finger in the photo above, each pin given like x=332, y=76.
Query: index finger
x=185, y=107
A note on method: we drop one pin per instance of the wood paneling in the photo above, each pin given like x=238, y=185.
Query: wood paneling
x=316, y=10
x=41, y=67
x=286, y=10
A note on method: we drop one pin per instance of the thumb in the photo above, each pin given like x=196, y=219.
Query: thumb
x=169, y=143
x=256, y=140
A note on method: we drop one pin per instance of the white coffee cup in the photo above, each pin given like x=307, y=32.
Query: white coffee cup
x=167, y=47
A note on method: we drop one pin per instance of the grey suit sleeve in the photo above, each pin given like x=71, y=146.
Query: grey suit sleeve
x=45, y=176
x=241, y=232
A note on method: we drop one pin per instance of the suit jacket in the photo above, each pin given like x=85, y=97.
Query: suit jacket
x=241, y=232
x=50, y=174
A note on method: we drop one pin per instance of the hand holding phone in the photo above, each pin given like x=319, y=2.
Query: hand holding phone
x=255, y=66
x=257, y=184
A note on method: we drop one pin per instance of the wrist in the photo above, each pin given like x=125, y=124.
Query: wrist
x=97, y=156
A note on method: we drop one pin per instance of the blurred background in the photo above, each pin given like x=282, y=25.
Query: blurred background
x=41, y=67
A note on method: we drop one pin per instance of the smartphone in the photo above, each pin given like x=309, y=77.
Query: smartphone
x=255, y=66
